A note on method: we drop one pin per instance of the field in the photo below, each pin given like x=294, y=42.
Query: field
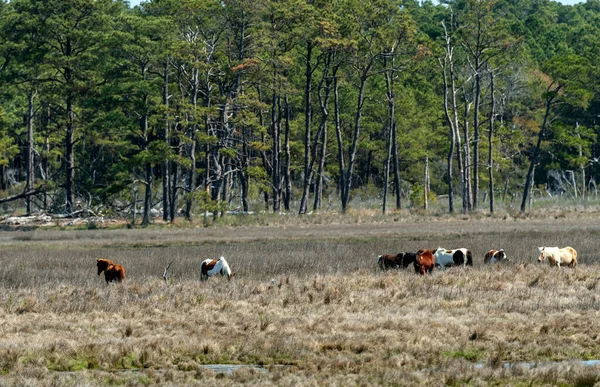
x=307, y=305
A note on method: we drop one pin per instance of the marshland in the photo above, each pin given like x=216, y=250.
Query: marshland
x=307, y=305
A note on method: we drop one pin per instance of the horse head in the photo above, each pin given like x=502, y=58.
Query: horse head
x=542, y=252
x=103, y=264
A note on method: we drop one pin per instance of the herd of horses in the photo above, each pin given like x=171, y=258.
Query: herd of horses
x=425, y=260
x=116, y=273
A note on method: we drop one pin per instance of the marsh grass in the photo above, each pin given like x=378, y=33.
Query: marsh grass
x=307, y=298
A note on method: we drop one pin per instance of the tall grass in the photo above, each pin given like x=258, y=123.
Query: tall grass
x=309, y=299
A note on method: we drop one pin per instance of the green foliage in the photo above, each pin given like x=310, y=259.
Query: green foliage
x=204, y=202
x=417, y=196
x=146, y=86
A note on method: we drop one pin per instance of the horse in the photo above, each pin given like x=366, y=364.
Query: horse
x=210, y=267
x=558, y=256
x=456, y=257
x=425, y=262
x=112, y=271
x=494, y=256
x=394, y=261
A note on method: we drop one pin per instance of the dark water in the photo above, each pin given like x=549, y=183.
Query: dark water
x=229, y=368
x=530, y=365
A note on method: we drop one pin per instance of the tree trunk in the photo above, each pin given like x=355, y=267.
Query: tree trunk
x=190, y=183
x=476, y=137
x=70, y=156
x=264, y=153
x=582, y=168
x=389, y=132
x=534, y=157
x=325, y=86
x=338, y=132
x=243, y=173
x=426, y=184
x=147, y=196
x=490, y=143
x=448, y=57
x=307, y=123
x=165, y=164
x=321, y=170
x=395, y=163
x=355, y=136
x=451, y=113
x=174, y=180
x=69, y=139
x=276, y=131
x=148, y=178
x=288, y=160
x=30, y=148
x=467, y=194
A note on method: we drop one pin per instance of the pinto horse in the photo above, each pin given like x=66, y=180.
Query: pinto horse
x=457, y=257
x=210, y=267
x=112, y=271
x=394, y=261
x=425, y=262
x=494, y=256
x=558, y=256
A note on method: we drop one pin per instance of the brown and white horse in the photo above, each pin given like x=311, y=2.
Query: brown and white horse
x=112, y=271
x=456, y=257
x=494, y=256
x=557, y=256
x=210, y=267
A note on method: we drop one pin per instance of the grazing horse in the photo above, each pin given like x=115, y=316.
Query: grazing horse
x=425, y=262
x=112, y=271
x=210, y=267
x=557, y=256
x=391, y=261
x=456, y=257
x=494, y=256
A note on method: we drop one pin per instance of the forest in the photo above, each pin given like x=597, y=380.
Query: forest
x=182, y=108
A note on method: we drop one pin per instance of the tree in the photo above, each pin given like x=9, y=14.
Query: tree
x=565, y=83
x=398, y=54
x=484, y=37
x=75, y=35
x=367, y=25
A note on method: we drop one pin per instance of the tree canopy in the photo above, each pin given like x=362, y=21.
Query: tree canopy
x=195, y=107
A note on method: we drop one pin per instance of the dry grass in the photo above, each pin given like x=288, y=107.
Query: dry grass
x=330, y=317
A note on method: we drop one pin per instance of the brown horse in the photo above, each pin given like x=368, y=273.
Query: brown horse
x=112, y=271
x=395, y=261
x=425, y=261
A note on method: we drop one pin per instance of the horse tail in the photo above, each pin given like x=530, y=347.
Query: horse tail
x=574, y=255
x=469, y=258
x=202, y=271
x=380, y=262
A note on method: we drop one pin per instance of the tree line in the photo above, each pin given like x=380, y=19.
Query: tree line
x=199, y=106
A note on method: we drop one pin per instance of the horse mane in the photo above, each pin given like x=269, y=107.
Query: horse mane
x=225, y=269
x=103, y=264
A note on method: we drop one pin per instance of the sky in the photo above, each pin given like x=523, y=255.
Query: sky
x=567, y=2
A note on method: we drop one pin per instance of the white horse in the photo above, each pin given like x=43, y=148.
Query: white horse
x=558, y=256
x=210, y=267
x=456, y=257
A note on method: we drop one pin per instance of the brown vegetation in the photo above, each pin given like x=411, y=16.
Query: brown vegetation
x=328, y=317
